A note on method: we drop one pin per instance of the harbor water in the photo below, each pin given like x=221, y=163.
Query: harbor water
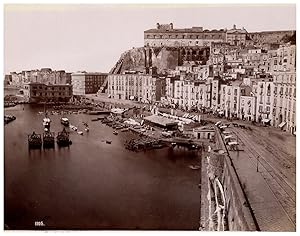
x=93, y=184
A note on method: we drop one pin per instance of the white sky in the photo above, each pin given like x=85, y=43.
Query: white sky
x=92, y=37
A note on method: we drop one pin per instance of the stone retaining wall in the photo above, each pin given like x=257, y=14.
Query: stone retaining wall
x=226, y=204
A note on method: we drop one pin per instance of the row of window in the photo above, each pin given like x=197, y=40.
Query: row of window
x=51, y=94
x=183, y=36
x=50, y=88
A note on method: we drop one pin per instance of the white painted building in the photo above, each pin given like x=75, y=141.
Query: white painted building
x=284, y=106
x=230, y=99
x=264, y=91
x=132, y=87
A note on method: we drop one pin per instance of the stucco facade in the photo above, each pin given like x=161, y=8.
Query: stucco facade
x=38, y=92
x=284, y=105
x=87, y=83
x=132, y=87
x=166, y=35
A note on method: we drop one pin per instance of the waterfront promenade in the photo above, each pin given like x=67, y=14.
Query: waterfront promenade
x=267, y=176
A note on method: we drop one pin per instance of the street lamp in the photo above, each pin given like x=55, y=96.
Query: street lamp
x=257, y=163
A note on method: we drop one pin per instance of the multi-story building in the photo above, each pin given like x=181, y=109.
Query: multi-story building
x=284, y=105
x=87, y=83
x=219, y=47
x=214, y=87
x=283, y=59
x=230, y=99
x=199, y=72
x=44, y=76
x=166, y=35
x=257, y=59
x=7, y=79
x=264, y=92
x=247, y=103
x=16, y=79
x=236, y=36
x=136, y=87
x=191, y=93
x=38, y=92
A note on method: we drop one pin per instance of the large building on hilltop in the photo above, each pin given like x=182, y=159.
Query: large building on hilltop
x=236, y=37
x=167, y=35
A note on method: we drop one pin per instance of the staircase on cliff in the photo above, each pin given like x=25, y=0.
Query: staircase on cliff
x=117, y=68
x=163, y=58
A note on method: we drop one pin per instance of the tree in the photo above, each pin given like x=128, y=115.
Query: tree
x=291, y=39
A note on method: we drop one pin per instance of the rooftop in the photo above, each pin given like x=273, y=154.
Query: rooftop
x=88, y=73
x=186, y=30
x=204, y=128
x=37, y=83
x=159, y=120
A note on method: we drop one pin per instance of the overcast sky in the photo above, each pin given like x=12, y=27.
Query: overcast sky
x=92, y=37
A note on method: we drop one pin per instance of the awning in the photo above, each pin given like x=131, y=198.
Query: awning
x=282, y=124
x=266, y=120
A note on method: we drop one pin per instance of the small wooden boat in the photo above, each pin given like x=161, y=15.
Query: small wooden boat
x=80, y=132
x=65, y=121
x=157, y=146
x=124, y=129
x=46, y=123
x=8, y=118
x=194, y=167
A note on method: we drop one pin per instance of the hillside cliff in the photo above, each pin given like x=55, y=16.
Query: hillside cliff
x=163, y=58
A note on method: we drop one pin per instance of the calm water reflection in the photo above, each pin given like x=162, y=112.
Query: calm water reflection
x=92, y=184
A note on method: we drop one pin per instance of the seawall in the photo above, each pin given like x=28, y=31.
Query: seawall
x=225, y=205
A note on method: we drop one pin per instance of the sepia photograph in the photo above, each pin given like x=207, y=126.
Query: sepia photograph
x=149, y=117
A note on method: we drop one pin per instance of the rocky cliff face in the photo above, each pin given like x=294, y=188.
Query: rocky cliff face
x=140, y=59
